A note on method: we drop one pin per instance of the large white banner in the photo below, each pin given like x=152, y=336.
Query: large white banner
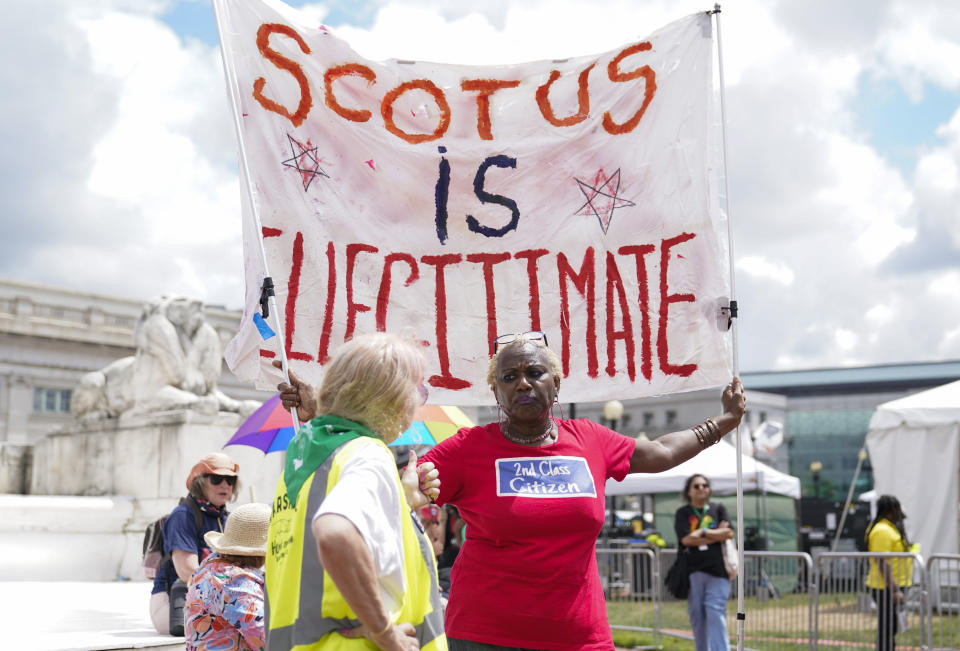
x=452, y=203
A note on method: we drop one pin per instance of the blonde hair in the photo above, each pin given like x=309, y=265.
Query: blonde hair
x=552, y=359
x=371, y=380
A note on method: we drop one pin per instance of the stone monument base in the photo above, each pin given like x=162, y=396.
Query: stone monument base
x=15, y=464
x=147, y=457
x=94, y=487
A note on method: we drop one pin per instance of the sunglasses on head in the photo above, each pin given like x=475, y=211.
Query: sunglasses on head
x=216, y=479
x=532, y=335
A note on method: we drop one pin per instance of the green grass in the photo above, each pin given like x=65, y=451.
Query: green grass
x=629, y=640
x=781, y=624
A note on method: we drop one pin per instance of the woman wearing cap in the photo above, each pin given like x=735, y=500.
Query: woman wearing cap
x=212, y=482
x=224, y=607
x=345, y=556
x=531, y=491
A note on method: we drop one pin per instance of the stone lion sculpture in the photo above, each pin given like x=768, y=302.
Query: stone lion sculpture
x=176, y=366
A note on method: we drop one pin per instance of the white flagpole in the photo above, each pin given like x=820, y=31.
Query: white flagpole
x=741, y=614
x=267, y=286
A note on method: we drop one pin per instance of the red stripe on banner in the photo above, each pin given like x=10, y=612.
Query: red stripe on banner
x=293, y=288
x=643, y=302
x=445, y=380
x=666, y=299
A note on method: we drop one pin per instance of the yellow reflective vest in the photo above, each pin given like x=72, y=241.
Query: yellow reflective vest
x=304, y=609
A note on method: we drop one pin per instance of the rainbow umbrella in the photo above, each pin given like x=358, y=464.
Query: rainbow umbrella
x=269, y=428
x=432, y=424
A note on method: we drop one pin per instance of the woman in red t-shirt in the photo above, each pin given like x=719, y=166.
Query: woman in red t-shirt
x=530, y=488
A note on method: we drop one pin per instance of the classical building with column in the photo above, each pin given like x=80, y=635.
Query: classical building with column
x=49, y=338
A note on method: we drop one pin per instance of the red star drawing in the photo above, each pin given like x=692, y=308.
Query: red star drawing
x=305, y=161
x=602, y=197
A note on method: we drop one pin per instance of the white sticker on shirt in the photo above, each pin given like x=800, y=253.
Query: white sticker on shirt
x=544, y=477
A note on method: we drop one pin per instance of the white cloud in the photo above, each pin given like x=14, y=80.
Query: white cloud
x=920, y=44
x=118, y=166
x=880, y=314
x=153, y=205
x=868, y=196
x=949, y=347
x=938, y=172
x=946, y=286
x=845, y=339
x=766, y=269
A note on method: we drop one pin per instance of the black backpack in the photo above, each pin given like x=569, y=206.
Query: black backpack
x=153, y=556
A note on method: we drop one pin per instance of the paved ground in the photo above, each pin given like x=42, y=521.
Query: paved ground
x=77, y=616
x=62, y=616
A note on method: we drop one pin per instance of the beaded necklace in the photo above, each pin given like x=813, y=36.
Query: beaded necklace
x=522, y=441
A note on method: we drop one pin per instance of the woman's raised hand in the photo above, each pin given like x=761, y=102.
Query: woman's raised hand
x=734, y=401
x=421, y=484
x=299, y=395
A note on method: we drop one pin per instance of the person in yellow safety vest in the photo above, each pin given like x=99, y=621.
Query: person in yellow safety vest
x=348, y=565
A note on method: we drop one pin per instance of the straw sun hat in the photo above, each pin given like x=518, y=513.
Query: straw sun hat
x=245, y=533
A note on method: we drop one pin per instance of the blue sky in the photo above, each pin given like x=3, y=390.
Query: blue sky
x=194, y=18
x=899, y=127
x=843, y=142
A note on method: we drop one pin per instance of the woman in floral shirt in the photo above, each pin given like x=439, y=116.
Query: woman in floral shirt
x=224, y=609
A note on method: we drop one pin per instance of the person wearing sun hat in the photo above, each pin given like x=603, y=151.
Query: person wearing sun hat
x=211, y=482
x=224, y=606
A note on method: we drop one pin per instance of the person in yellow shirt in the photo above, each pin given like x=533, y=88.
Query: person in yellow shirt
x=886, y=534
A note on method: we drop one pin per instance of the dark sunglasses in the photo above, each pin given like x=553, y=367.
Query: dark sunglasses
x=216, y=479
x=700, y=486
x=531, y=335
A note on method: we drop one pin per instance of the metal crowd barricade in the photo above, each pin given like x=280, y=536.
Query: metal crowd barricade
x=845, y=607
x=777, y=601
x=630, y=576
x=943, y=580
x=792, y=601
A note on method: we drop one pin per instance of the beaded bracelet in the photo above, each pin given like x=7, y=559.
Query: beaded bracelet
x=708, y=433
x=700, y=434
x=714, y=430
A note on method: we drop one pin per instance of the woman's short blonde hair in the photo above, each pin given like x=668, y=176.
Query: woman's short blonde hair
x=552, y=359
x=372, y=380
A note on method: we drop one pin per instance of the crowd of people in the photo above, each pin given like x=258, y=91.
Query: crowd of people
x=487, y=542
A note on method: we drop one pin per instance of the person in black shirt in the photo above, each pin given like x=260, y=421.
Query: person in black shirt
x=701, y=528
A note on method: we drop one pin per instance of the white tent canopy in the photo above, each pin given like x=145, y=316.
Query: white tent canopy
x=914, y=444
x=719, y=464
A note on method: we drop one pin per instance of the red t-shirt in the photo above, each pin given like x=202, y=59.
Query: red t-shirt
x=526, y=575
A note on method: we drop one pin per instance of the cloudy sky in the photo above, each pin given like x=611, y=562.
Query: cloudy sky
x=118, y=166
